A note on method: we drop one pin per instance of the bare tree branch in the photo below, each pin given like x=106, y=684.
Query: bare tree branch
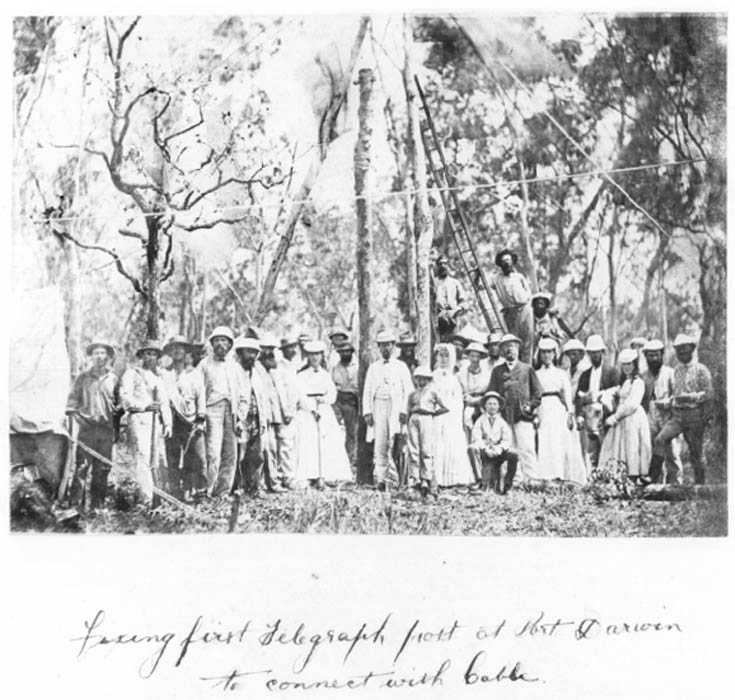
x=132, y=234
x=65, y=235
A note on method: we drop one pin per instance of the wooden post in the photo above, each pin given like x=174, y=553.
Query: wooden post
x=364, y=255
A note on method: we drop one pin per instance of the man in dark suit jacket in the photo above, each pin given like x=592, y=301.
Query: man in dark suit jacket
x=591, y=413
x=519, y=385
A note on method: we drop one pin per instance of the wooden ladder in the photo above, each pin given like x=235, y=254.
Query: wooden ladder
x=457, y=221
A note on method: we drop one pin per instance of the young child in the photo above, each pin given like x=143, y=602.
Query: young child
x=490, y=445
x=423, y=404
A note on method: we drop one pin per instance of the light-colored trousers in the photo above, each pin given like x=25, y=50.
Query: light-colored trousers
x=286, y=444
x=384, y=467
x=221, y=445
x=139, y=436
x=524, y=440
x=420, y=445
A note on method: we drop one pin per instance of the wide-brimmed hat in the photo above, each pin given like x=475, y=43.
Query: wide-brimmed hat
x=506, y=251
x=268, y=340
x=245, y=343
x=684, y=339
x=176, y=340
x=595, y=343
x=222, y=332
x=542, y=295
x=100, y=344
x=406, y=338
x=423, y=371
x=476, y=347
x=627, y=355
x=304, y=338
x=289, y=340
x=494, y=337
x=493, y=395
x=572, y=344
x=386, y=337
x=653, y=345
x=510, y=338
x=314, y=346
x=547, y=344
x=149, y=345
x=470, y=334
x=638, y=340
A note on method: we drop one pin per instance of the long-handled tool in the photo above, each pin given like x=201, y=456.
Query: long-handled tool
x=70, y=466
x=317, y=418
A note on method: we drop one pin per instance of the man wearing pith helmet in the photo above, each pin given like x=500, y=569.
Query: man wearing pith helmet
x=219, y=373
x=589, y=408
x=93, y=403
x=690, y=405
x=659, y=381
x=385, y=394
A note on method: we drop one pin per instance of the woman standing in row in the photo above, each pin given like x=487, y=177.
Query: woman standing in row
x=559, y=449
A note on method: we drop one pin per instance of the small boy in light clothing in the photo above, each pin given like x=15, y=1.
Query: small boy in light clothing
x=423, y=404
x=491, y=445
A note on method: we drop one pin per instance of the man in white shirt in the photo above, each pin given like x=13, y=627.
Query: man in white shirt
x=449, y=298
x=388, y=385
x=346, y=407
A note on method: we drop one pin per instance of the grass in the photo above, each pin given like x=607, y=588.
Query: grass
x=550, y=511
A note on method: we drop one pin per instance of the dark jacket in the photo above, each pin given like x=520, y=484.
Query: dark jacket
x=521, y=389
x=609, y=377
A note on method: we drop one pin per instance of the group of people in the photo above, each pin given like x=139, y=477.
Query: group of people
x=257, y=414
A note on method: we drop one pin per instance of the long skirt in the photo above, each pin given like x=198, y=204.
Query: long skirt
x=629, y=442
x=320, y=449
x=451, y=463
x=559, y=449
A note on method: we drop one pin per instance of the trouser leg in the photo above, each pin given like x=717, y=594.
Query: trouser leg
x=269, y=467
x=214, y=438
x=413, y=449
x=350, y=417
x=382, y=433
x=285, y=441
x=511, y=457
x=195, y=464
x=525, y=446
x=672, y=462
x=226, y=475
x=252, y=461
x=174, y=446
x=477, y=462
x=594, y=443
x=694, y=436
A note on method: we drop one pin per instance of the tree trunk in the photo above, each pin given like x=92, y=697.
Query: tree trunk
x=153, y=277
x=409, y=182
x=529, y=257
x=422, y=219
x=327, y=133
x=364, y=253
x=613, y=332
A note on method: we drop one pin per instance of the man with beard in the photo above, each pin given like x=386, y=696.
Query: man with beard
x=407, y=350
x=93, y=403
x=517, y=383
x=385, y=395
x=590, y=409
x=690, y=405
x=574, y=352
x=493, y=349
x=219, y=374
x=545, y=323
x=254, y=413
x=144, y=398
x=278, y=447
x=185, y=449
x=450, y=300
x=346, y=407
x=514, y=295
x=291, y=353
x=659, y=381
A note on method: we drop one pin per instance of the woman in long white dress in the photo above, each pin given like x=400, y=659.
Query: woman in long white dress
x=559, y=449
x=320, y=449
x=451, y=461
x=474, y=376
x=628, y=439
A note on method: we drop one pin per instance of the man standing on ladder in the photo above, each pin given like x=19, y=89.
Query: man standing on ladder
x=451, y=300
x=514, y=294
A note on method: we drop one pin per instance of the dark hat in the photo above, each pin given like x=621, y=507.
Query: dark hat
x=149, y=345
x=543, y=296
x=339, y=331
x=347, y=345
x=100, y=344
x=289, y=340
x=506, y=251
x=177, y=340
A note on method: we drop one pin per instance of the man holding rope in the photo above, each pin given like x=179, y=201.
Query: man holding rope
x=92, y=403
